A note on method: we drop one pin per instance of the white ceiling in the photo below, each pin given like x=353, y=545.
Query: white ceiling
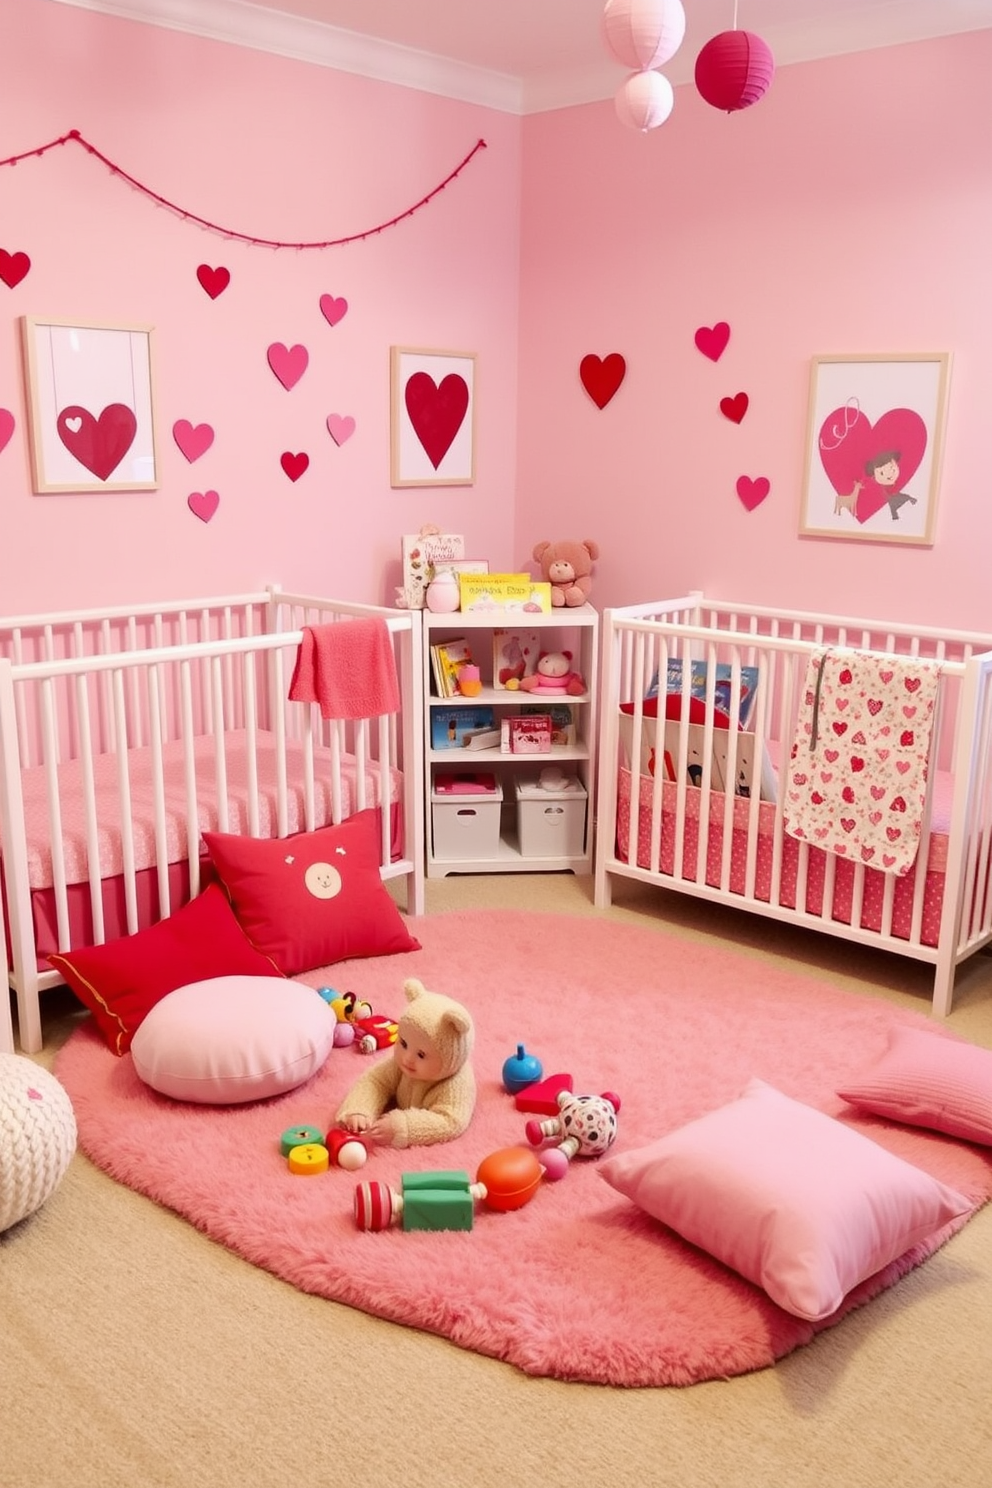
x=524, y=56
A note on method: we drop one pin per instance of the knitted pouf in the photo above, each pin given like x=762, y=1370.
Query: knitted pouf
x=37, y=1137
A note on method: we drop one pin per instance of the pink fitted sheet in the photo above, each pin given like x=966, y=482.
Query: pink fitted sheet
x=38, y=825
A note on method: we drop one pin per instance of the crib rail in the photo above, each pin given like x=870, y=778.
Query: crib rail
x=717, y=830
x=93, y=707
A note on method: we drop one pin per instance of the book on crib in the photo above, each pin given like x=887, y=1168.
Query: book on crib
x=722, y=691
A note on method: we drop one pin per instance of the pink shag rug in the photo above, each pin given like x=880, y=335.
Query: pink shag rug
x=579, y=1284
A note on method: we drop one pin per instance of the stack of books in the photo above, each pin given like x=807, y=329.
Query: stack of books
x=446, y=659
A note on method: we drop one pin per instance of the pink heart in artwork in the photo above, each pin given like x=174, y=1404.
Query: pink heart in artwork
x=752, y=492
x=294, y=465
x=340, y=426
x=203, y=504
x=193, y=439
x=13, y=267
x=6, y=427
x=436, y=411
x=288, y=362
x=851, y=448
x=333, y=309
x=99, y=444
x=712, y=340
x=213, y=281
x=735, y=408
x=602, y=376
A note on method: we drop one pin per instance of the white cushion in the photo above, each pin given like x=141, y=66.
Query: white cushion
x=233, y=1039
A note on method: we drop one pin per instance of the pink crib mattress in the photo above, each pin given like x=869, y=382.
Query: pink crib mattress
x=844, y=878
x=38, y=827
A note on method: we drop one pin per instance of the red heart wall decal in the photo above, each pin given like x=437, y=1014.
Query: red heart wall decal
x=193, y=439
x=288, y=362
x=753, y=492
x=214, y=281
x=13, y=267
x=99, y=444
x=735, y=408
x=6, y=427
x=848, y=441
x=203, y=504
x=340, y=427
x=333, y=310
x=601, y=377
x=712, y=340
x=436, y=411
x=294, y=465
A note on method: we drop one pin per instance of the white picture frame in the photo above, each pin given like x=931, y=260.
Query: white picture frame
x=432, y=417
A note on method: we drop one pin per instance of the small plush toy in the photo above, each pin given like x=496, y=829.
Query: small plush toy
x=567, y=567
x=554, y=676
x=586, y=1124
x=425, y=1091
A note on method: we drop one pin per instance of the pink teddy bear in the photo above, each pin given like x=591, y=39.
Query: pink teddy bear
x=554, y=676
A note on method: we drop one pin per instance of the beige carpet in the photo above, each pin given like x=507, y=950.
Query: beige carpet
x=135, y=1352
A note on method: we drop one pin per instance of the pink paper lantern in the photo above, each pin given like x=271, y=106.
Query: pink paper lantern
x=644, y=101
x=734, y=70
x=643, y=33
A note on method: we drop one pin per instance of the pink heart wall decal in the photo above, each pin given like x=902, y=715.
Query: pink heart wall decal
x=288, y=362
x=214, y=281
x=333, y=310
x=294, y=465
x=848, y=443
x=6, y=427
x=752, y=492
x=735, y=408
x=203, y=504
x=340, y=426
x=193, y=439
x=436, y=411
x=99, y=444
x=13, y=267
x=712, y=340
x=601, y=377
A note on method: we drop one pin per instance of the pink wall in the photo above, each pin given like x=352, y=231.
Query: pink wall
x=277, y=149
x=850, y=211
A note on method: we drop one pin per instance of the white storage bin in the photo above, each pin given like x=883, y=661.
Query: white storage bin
x=551, y=823
x=466, y=826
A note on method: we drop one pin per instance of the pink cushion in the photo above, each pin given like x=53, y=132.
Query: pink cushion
x=233, y=1039
x=793, y=1200
x=927, y=1079
x=314, y=898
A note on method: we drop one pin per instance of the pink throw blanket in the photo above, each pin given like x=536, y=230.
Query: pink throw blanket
x=348, y=668
x=857, y=775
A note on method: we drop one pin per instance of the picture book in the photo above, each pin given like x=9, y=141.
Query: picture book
x=420, y=554
x=749, y=769
x=515, y=654
x=450, y=726
x=722, y=684
x=530, y=734
x=446, y=658
x=516, y=592
x=562, y=722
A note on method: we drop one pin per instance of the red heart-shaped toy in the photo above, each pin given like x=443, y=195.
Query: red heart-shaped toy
x=602, y=376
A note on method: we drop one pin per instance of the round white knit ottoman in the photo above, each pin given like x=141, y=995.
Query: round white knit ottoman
x=37, y=1137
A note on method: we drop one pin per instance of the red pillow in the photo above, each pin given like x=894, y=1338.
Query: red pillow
x=121, y=982
x=314, y=898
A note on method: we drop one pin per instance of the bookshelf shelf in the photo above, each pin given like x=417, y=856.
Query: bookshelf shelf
x=565, y=838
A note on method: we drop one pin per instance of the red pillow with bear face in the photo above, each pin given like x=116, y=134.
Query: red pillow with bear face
x=314, y=898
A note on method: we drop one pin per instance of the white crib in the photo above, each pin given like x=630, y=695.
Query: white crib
x=732, y=847
x=127, y=732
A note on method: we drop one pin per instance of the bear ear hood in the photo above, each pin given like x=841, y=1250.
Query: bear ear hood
x=445, y=1022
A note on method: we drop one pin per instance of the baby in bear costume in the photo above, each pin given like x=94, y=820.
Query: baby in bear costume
x=424, y=1091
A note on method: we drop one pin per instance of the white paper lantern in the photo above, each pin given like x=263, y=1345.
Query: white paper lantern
x=643, y=33
x=645, y=100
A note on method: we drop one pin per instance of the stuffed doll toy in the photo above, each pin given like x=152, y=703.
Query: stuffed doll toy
x=554, y=676
x=424, y=1092
x=586, y=1125
x=567, y=567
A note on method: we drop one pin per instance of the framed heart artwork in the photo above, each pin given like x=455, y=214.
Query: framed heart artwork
x=89, y=399
x=432, y=417
x=874, y=445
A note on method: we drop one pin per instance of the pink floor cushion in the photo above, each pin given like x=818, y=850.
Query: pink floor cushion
x=929, y=1079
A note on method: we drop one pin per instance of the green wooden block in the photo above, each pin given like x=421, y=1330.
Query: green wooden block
x=456, y=1178
x=437, y=1201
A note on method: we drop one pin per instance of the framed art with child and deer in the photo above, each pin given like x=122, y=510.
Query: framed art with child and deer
x=874, y=442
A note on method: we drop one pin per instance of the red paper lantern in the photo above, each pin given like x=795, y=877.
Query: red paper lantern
x=645, y=100
x=734, y=70
x=643, y=33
